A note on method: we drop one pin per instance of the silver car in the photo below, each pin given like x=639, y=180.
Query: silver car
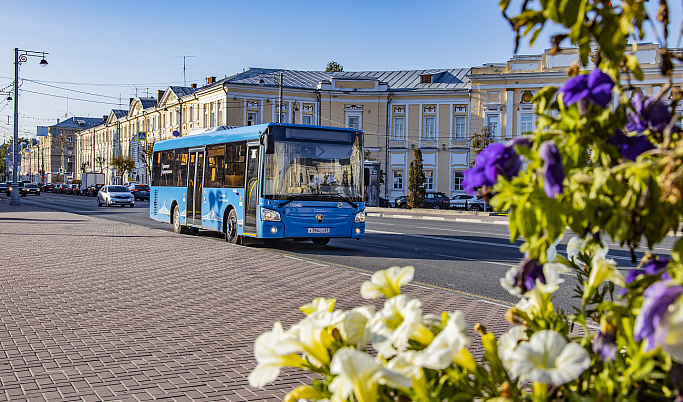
x=115, y=195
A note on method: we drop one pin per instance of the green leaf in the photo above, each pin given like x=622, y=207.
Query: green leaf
x=633, y=65
x=569, y=10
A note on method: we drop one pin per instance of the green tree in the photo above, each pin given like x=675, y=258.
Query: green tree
x=100, y=161
x=123, y=165
x=334, y=67
x=146, y=155
x=479, y=142
x=416, y=180
x=4, y=148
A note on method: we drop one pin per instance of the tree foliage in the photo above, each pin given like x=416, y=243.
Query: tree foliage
x=334, y=67
x=416, y=180
x=479, y=141
x=123, y=165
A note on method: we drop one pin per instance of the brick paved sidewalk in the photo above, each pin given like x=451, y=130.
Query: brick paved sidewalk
x=92, y=309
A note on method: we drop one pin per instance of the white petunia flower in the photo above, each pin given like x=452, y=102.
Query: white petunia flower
x=548, y=358
x=393, y=326
x=353, y=327
x=574, y=247
x=268, y=360
x=360, y=374
x=310, y=337
x=669, y=333
x=446, y=346
x=318, y=304
x=507, y=344
x=387, y=282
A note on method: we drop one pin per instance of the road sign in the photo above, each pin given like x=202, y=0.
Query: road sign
x=142, y=135
x=176, y=133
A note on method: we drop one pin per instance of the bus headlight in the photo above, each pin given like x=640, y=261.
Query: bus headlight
x=269, y=215
x=360, y=217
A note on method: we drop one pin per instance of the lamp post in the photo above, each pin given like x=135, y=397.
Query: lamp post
x=279, y=80
x=20, y=56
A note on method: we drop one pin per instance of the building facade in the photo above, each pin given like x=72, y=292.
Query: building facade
x=436, y=111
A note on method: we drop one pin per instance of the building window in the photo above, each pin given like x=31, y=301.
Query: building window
x=283, y=117
x=492, y=124
x=429, y=128
x=526, y=123
x=429, y=180
x=191, y=116
x=425, y=79
x=399, y=128
x=457, y=181
x=353, y=122
x=460, y=127
x=398, y=179
x=307, y=119
x=252, y=118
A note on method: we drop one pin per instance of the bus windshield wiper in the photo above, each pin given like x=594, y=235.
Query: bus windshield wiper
x=293, y=197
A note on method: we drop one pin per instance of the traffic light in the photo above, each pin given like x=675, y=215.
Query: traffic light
x=61, y=171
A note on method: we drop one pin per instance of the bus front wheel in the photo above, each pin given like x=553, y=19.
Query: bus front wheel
x=177, y=227
x=321, y=241
x=230, y=230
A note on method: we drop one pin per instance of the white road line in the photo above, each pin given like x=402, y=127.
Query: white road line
x=483, y=243
x=475, y=259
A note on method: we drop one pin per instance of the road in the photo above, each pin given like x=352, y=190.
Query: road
x=464, y=257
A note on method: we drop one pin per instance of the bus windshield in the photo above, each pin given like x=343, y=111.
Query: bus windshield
x=314, y=170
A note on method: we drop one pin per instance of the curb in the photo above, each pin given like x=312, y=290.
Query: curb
x=438, y=218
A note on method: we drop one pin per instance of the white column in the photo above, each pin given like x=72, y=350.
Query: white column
x=509, y=112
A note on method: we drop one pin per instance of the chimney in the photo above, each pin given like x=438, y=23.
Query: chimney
x=104, y=118
x=193, y=86
x=210, y=80
x=159, y=95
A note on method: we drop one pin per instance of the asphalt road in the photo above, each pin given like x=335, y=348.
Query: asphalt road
x=463, y=257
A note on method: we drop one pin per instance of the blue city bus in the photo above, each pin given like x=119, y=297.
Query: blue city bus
x=267, y=181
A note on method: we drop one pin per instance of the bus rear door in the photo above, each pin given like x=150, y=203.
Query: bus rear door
x=195, y=185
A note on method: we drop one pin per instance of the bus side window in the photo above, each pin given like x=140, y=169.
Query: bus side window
x=180, y=168
x=156, y=168
x=215, y=166
x=235, y=164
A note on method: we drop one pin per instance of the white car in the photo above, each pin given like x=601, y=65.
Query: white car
x=115, y=195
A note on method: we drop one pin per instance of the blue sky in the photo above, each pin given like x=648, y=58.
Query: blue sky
x=122, y=48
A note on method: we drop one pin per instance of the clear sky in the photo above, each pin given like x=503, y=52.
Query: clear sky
x=103, y=51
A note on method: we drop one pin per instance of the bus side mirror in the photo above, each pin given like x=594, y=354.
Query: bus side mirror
x=269, y=143
x=366, y=176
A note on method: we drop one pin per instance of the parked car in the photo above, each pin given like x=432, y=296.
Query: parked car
x=436, y=200
x=29, y=188
x=401, y=202
x=70, y=189
x=10, y=189
x=461, y=201
x=139, y=191
x=60, y=188
x=79, y=190
x=3, y=187
x=479, y=205
x=115, y=195
x=93, y=189
x=47, y=187
x=384, y=203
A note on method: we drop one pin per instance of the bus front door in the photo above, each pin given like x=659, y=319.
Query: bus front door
x=195, y=185
x=251, y=191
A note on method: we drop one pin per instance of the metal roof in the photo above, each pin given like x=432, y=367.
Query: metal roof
x=118, y=113
x=396, y=80
x=182, y=91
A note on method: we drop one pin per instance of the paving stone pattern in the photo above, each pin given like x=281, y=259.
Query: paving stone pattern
x=94, y=310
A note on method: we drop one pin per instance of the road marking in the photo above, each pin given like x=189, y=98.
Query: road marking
x=476, y=259
x=483, y=243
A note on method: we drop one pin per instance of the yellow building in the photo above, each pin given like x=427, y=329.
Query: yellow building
x=435, y=111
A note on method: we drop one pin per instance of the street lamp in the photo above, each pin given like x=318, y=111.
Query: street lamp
x=20, y=56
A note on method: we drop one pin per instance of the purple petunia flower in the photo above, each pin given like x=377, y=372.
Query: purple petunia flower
x=529, y=271
x=553, y=172
x=605, y=345
x=648, y=114
x=653, y=267
x=658, y=297
x=630, y=146
x=595, y=87
x=494, y=160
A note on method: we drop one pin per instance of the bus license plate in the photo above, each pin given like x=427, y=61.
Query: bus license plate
x=318, y=230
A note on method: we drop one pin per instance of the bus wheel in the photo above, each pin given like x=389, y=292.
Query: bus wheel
x=231, y=228
x=321, y=241
x=177, y=227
